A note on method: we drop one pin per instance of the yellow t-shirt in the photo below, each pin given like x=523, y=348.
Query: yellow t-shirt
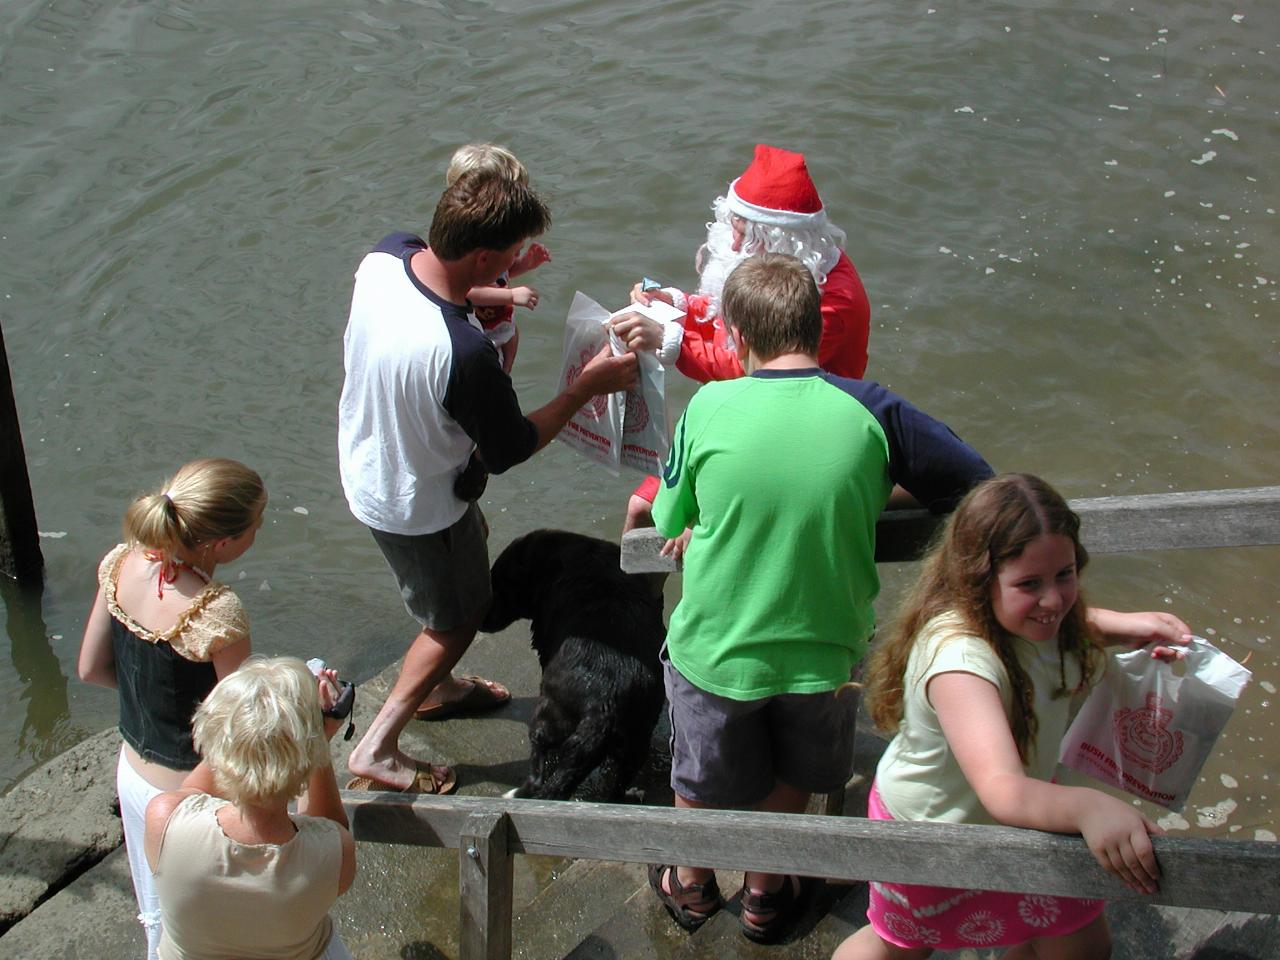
x=918, y=777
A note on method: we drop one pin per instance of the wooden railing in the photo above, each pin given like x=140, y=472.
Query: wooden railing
x=1223, y=874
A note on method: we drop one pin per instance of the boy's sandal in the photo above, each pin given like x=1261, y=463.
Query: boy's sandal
x=765, y=917
x=683, y=899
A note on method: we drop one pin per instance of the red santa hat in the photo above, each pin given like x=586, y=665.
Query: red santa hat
x=777, y=190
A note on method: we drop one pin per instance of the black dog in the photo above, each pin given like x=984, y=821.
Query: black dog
x=597, y=632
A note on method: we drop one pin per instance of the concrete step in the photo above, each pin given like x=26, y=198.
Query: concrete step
x=578, y=898
x=640, y=929
x=94, y=916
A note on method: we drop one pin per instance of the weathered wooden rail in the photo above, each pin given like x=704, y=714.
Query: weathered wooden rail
x=1160, y=521
x=1223, y=874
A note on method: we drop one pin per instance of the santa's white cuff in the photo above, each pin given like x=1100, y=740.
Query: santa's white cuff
x=678, y=298
x=672, y=338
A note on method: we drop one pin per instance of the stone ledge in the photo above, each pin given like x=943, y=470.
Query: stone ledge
x=56, y=823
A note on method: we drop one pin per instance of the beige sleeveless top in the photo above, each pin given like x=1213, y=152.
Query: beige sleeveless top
x=222, y=899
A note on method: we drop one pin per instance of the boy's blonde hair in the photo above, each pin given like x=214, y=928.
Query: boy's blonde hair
x=204, y=501
x=261, y=731
x=485, y=158
x=774, y=302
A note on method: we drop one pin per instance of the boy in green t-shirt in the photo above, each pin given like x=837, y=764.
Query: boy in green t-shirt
x=781, y=475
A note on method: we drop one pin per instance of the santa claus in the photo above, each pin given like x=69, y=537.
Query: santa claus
x=773, y=207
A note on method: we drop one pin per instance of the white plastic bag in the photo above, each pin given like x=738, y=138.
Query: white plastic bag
x=646, y=434
x=595, y=430
x=621, y=429
x=1147, y=730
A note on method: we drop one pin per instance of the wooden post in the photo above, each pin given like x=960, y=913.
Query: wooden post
x=484, y=887
x=20, y=556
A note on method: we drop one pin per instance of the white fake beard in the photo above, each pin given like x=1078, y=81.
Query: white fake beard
x=716, y=260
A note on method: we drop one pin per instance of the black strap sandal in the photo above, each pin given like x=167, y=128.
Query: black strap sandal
x=771, y=914
x=682, y=899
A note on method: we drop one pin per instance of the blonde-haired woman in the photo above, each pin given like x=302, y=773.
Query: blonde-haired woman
x=162, y=631
x=263, y=741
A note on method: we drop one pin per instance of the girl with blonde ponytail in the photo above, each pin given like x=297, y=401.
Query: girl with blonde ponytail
x=162, y=632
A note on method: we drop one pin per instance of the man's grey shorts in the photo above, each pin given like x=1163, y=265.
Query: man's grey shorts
x=444, y=576
x=731, y=753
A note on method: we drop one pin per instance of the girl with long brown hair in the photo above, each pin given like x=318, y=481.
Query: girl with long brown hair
x=977, y=680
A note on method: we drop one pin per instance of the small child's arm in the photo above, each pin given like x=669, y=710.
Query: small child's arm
x=503, y=296
x=531, y=259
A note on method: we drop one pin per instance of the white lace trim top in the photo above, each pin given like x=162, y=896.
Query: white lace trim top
x=215, y=619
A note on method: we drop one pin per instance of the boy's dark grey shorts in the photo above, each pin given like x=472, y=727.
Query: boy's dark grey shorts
x=731, y=753
x=444, y=576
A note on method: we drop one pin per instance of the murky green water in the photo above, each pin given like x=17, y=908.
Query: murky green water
x=1065, y=217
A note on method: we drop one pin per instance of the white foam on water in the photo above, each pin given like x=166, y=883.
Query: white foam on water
x=53, y=534
x=1173, y=821
x=1170, y=193
x=1237, y=18
x=302, y=511
x=264, y=587
x=1216, y=815
x=963, y=110
x=1111, y=163
x=1264, y=835
x=1116, y=106
x=944, y=249
x=1205, y=158
x=990, y=270
x=1268, y=686
x=1224, y=132
x=1228, y=781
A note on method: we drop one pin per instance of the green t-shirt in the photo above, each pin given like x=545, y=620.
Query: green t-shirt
x=782, y=476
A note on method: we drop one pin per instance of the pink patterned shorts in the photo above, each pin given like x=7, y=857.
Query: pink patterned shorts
x=950, y=918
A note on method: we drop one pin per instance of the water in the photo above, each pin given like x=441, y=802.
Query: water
x=1065, y=219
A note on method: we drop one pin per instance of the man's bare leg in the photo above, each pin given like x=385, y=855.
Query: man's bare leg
x=427, y=664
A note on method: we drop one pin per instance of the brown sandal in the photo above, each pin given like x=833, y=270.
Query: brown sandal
x=682, y=899
x=771, y=914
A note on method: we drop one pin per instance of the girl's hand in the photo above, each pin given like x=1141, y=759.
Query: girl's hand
x=524, y=297
x=1119, y=838
x=1140, y=629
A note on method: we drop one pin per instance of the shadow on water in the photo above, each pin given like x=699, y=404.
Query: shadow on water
x=46, y=726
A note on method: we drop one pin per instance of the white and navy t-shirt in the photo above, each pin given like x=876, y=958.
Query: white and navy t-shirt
x=424, y=388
